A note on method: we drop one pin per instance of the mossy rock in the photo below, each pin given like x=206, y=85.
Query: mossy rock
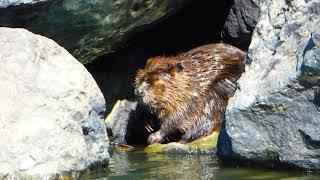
x=207, y=144
x=88, y=29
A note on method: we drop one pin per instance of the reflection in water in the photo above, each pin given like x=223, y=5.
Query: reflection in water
x=182, y=167
x=137, y=165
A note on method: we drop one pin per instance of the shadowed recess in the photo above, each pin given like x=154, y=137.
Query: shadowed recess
x=195, y=25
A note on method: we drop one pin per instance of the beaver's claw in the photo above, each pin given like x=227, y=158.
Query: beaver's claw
x=155, y=138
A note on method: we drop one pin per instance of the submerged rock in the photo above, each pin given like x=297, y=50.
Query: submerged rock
x=88, y=29
x=51, y=109
x=275, y=117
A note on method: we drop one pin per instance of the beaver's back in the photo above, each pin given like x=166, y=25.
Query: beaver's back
x=195, y=89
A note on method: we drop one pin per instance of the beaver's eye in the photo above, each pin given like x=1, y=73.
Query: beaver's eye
x=179, y=67
x=156, y=79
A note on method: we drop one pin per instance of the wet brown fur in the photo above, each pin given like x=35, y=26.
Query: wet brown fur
x=189, y=92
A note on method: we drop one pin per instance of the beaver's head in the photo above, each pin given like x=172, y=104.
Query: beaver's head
x=153, y=86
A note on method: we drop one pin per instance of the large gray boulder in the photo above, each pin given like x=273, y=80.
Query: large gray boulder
x=87, y=28
x=51, y=109
x=275, y=117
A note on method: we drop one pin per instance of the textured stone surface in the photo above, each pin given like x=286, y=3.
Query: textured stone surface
x=51, y=109
x=275, y=117
x=117, y=120
x=6, y=3
x=126, y=122
x=86, y=28
x=240, y=22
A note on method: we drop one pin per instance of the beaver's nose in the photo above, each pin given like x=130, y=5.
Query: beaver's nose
x=138, y=92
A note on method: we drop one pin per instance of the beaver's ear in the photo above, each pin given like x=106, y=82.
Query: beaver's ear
x=148, y=61
x=179, y=67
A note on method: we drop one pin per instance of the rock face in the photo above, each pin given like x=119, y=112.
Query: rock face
x=88, y=29
x=117, y=120
x=275, y=117
x=51, y=108
x=240, y=22
x=6, y=3
x=125, y=123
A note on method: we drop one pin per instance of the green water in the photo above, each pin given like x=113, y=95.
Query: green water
x=134, y=165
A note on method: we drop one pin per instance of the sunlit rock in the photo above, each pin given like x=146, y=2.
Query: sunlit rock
x=125, y=123
x=274, y=116
x=51, y=109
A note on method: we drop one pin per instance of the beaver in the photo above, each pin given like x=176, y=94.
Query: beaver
x=189, y=92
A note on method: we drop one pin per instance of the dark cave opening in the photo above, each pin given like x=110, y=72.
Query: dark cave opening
x=194, y=25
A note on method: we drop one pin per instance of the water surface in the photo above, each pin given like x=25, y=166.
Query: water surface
x=138, y=165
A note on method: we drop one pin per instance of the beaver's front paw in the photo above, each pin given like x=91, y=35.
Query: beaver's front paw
x=155, y=138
